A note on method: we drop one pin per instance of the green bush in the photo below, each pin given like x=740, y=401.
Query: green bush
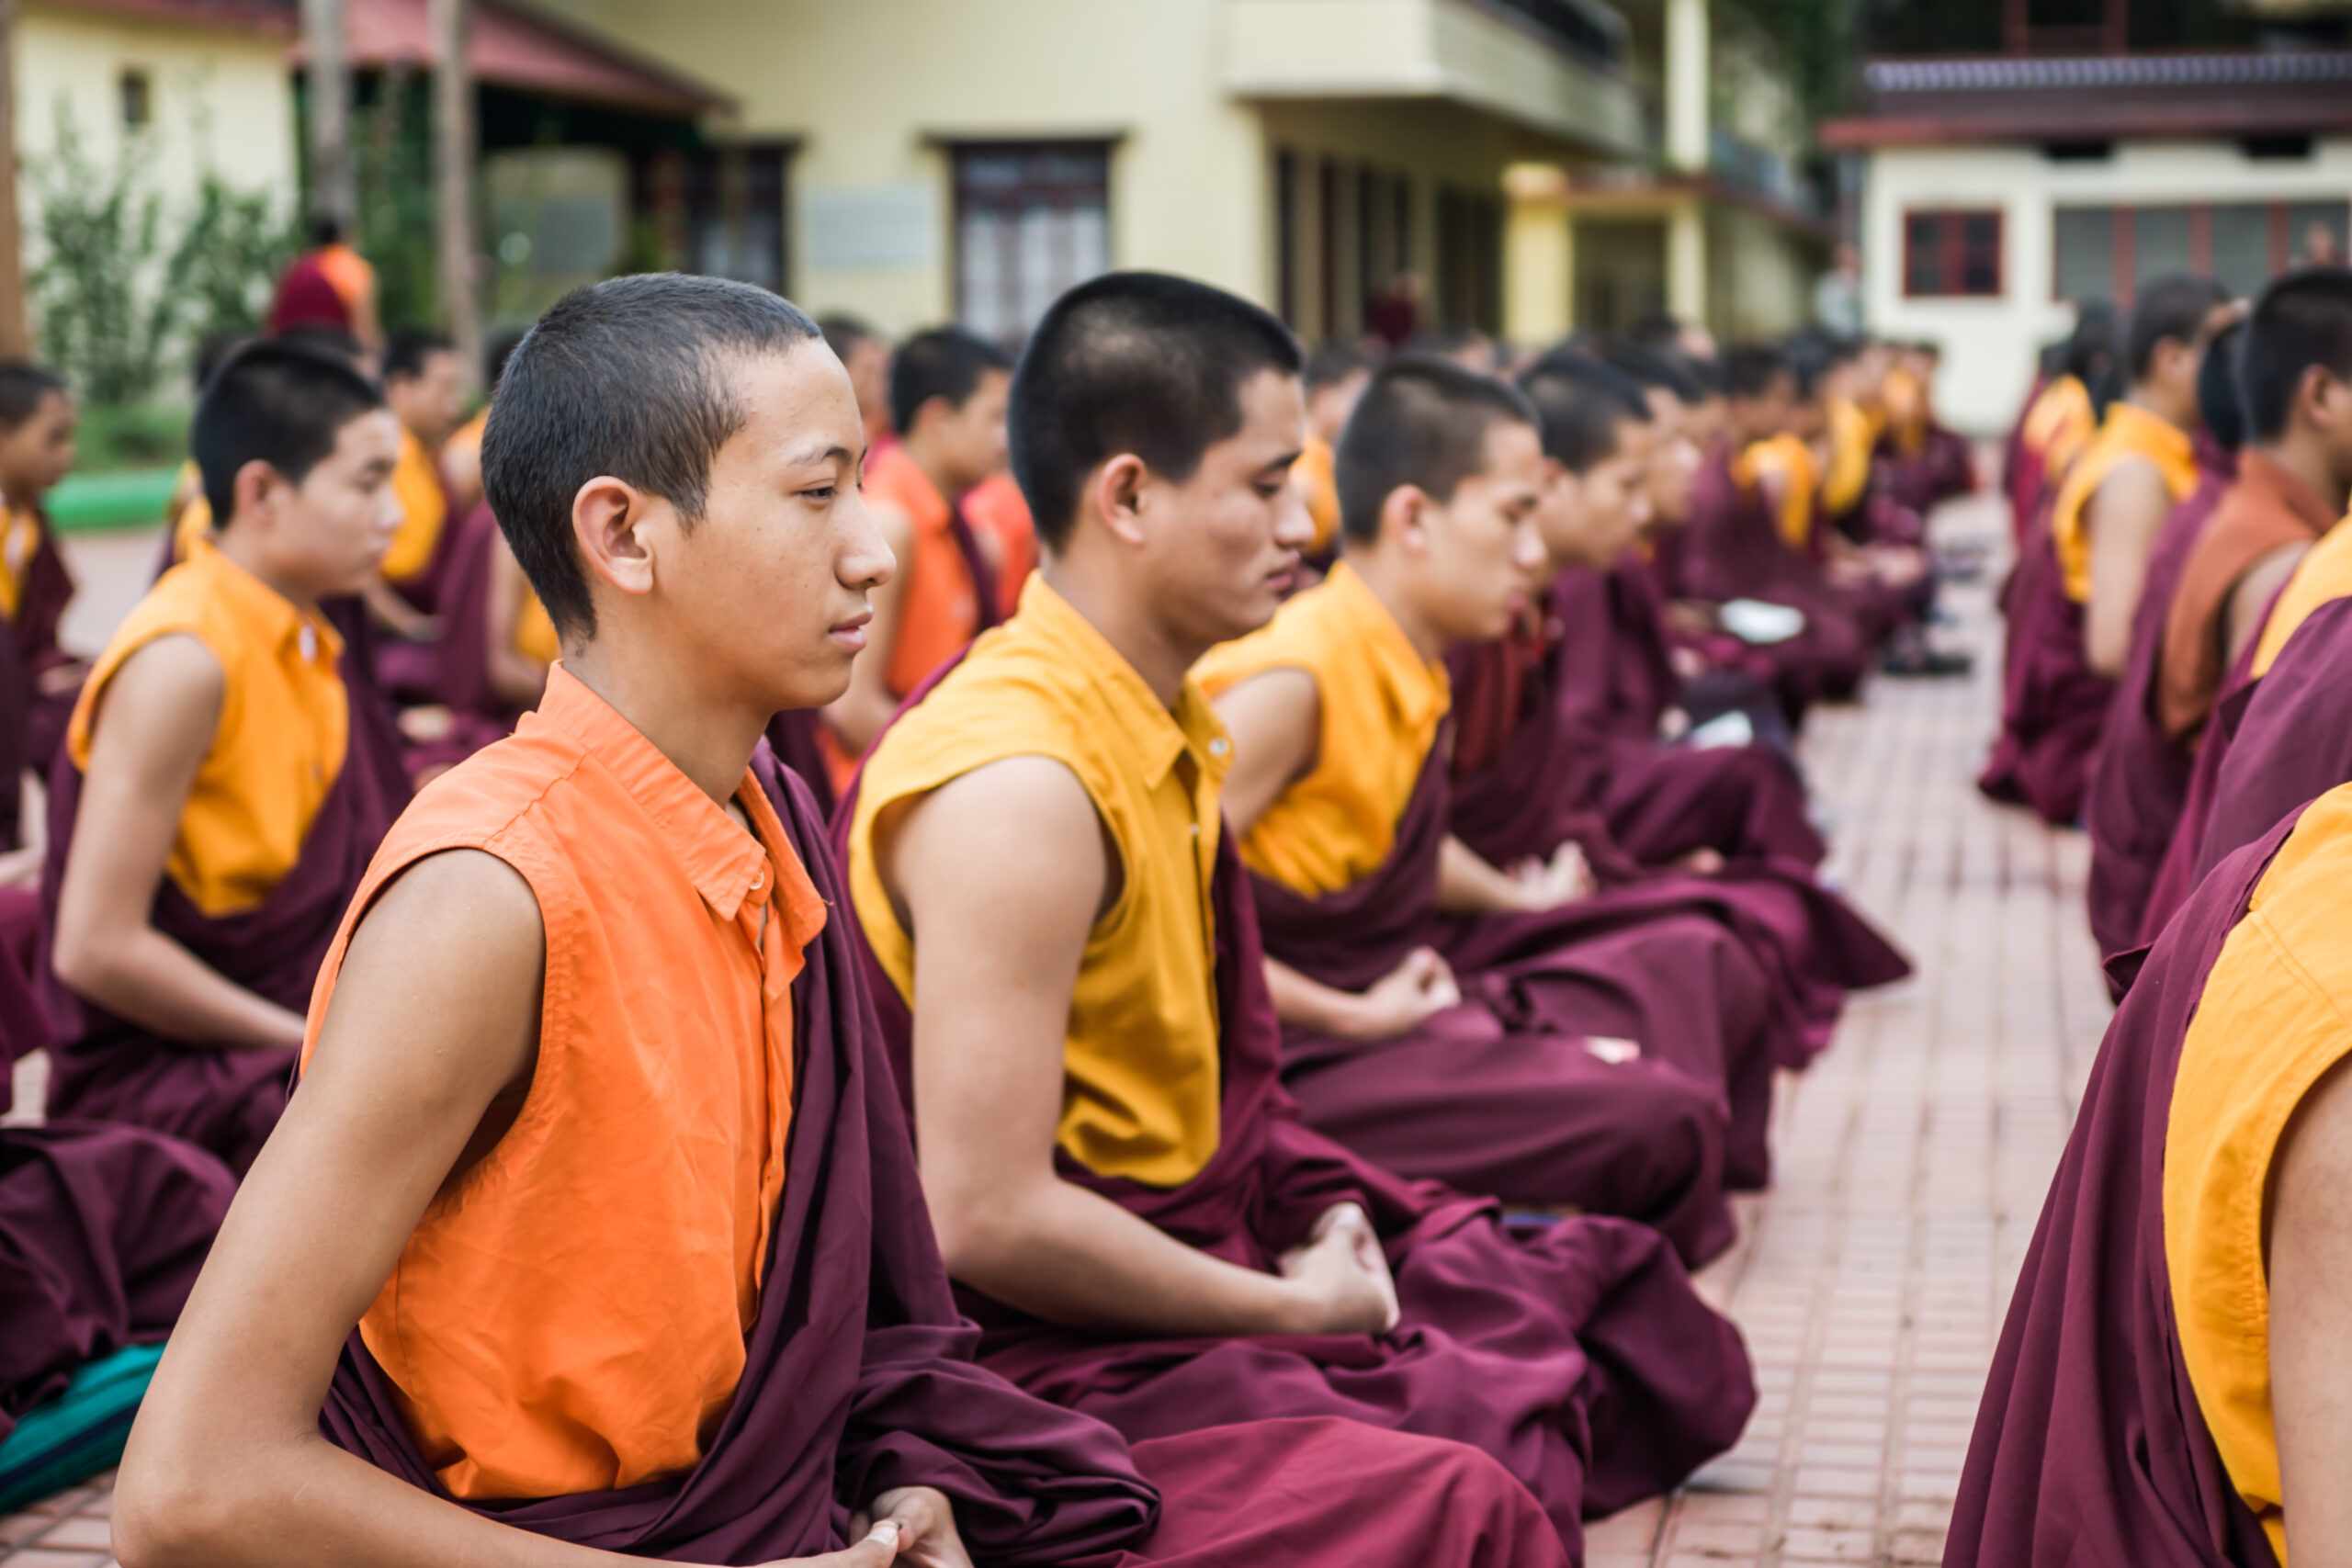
x=140, y=436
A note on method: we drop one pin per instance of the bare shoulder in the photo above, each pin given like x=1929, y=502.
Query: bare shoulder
x=1022, y=833
x=166, y=690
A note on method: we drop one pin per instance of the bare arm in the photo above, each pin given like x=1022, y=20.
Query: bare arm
x=159, y=715
x=2124, y=515
x=858, y=715
x=1467, y=886
x=1000, y=875
x=517, y=679
x=1276, y=722
x=2250, y=600
x=2310, y=1243
x=1422, y=986
x=412, y=1084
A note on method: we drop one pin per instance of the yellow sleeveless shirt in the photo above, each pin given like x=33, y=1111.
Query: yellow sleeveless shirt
x=1382, y=704
x=2130, y=432
x=2324, y=575
x=1142, y=1075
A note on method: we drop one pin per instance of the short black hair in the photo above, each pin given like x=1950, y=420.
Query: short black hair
x=276, y=402
x=2303, y=319
x=211, y=354
x=326, y=229
x=1579, y=403
x=843, y=333
x=945, y=362
x=1332, y=362
x=406, y=351
x=1657, y=329
x=320, y=338
x=1659, y=367
x=1750, y=369
x=1139, y=362
x=1810, y=355
x=2218, y=399
x=23, y=385
x=2172, y=307
x=1444, y=341
x=632, y=378
x=1423, y=421
x=502, y=349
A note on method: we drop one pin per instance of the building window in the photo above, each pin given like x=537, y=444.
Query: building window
x=1948, y=255
x=1033, y=220
x=138, y=92
x=1469, y=259
x=1286, y=236
x=735, y=206
x=2106, y=253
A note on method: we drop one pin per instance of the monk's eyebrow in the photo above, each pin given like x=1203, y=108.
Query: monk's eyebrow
x=835, y=453
x=1283, y=462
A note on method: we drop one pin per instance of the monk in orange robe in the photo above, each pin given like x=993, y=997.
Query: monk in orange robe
x=330, y=284
x=2294, y=478
x=594, y=1021
x=948, y=397
x=2077, y=588
x=226, y=778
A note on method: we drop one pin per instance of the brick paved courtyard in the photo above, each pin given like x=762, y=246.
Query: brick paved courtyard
x=1870, y=1283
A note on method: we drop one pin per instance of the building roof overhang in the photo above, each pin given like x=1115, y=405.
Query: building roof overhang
x=2257, y=93
x=270, y=17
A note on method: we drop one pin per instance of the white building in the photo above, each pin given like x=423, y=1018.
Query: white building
x=1998, y=192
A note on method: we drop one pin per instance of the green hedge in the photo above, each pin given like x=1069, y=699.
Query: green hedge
x=131, y=498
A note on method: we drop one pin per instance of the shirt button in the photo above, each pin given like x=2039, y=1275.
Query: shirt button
x=1220, y=746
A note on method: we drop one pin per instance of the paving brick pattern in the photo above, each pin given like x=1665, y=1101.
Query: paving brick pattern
x=1912, y=1158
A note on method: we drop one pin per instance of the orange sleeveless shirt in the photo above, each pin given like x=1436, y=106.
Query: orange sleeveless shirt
x=571, y=1316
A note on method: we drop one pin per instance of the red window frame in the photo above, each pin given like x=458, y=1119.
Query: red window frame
x=1951, y=253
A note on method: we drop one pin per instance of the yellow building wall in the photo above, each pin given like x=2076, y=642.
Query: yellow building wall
x=219, y=99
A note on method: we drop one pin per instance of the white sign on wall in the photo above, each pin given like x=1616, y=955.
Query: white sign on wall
x=854, y=226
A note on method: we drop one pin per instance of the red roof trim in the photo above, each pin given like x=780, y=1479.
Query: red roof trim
x=227, y=16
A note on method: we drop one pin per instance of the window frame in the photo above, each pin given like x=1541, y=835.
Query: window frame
x=1061, y=193
x=1951, y=253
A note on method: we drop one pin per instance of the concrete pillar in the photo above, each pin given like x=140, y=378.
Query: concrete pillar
x=330, y=114
x=1686, y=260
x=1539, y=256
x=1687, y=83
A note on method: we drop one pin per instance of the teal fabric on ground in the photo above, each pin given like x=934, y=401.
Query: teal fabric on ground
x=79, y=1433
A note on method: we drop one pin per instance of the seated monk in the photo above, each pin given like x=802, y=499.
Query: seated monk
x=225, y=777
x=38, y=680
x=1336, y=374
x=2171, y=1386
x=947, y=391
x=2062, y=415
x=1580, y=1056
x=460, y=455
x=593, y=1017
x=2141, y=781
x=102, y=1228
x=1144, y=1229
x=999, y=517
x=1520, y=791
x=865, y=354
x=1924, y=462
x=2078, y=588
x=1734, y=548
x=423, y=386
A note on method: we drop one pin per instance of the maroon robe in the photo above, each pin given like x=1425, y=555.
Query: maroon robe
x=107, y=1068
x=792, y=735
x=2090, y=1446
x=2177, y=877
x=2024, y=471
x=2140, y=783
x=1733, y=549
x=1601, y=666
x=454, y=671
x=2289, y=736
x=32, y=722
x=1501, y=1095
x=1576, y=1353
x=860, y=1377
x=102, y=1229
x=2053, y=707
x=1519, y=800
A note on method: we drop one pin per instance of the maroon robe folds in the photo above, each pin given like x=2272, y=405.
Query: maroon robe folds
x=2025, y=473
x=1502, y=1094
x=1607, y=671
x=454, y=671
x=107, y=1068
x=102, y=1229
x=1520, y=800
x=2090, y=1446
x=860, y=1377
x=1733, y=549
x=2053, y=707
x=2177, y=877
x=32, y=721
x=2289, y=736
x=2140, y=782
x=1576, y=1354
x=793, y=736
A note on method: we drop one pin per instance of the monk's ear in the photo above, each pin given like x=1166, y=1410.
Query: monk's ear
x=1118, y=492
x=1404, y=517
x=608, y=519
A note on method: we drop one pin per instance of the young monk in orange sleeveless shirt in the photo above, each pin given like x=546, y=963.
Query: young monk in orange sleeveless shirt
x=595, y=1147
x=947, y=396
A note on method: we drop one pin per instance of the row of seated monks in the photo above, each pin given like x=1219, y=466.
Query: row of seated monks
x=1347, y=990
x=2171, y=1386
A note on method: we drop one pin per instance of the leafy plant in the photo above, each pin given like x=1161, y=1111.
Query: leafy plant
x=235, y=247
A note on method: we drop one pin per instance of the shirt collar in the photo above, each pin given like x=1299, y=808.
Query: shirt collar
x=1418, y=689
x=728, y=866
x=2282, y=490
x=263, y=608
x=1154, y=733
